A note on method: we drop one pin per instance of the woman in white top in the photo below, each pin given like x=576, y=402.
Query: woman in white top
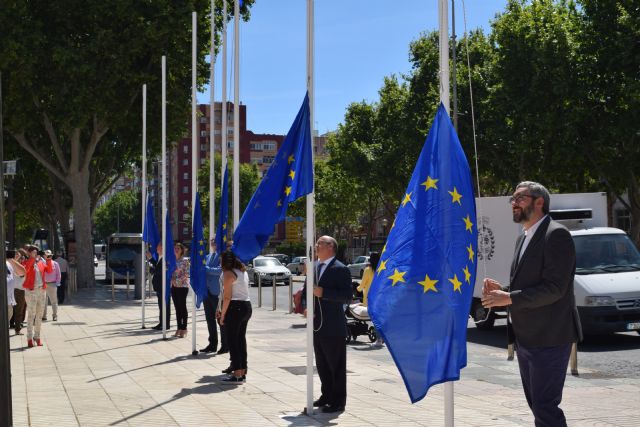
x=14, y=271
x=236, y=312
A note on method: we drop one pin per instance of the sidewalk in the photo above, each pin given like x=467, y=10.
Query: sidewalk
x=99, y=368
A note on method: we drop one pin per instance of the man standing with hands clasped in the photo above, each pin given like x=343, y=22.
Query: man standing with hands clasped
x=332, y=291
x=542, y=316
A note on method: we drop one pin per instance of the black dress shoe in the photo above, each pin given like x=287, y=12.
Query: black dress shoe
x=208, y=349
x=320, y=402
x=233, y=379
x=157, y=327
x=332, y=408
x=223, y=351
x=228, y=370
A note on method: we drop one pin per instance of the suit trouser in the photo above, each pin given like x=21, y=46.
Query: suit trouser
x=210, y=307
x=236, y=321
x=35, y=308
x=167, y=309
x=52, y=296
x=62, y=288
x=543, y=371
x=331, y=361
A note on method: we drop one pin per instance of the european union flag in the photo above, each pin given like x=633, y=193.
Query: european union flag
x=150, y=233
x=221, y=230
x=170, y=256
x=421, y=293
x=289, y=178
x=198, y=252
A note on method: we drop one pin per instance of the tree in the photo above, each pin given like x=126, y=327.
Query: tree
x=121, y=213
x=73, y=102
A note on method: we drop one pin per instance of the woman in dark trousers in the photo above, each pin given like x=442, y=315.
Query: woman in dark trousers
x=180, y=289
x=235, y=314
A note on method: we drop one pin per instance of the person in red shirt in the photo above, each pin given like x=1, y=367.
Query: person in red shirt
x=35, y=294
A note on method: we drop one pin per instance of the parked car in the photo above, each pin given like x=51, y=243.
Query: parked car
x=284, y=259
x=297, y=265
x=266, y=268
x=357, y=268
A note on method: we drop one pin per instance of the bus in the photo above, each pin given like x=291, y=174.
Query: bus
x=122, y=251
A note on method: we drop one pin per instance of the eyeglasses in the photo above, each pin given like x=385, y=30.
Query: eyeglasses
x=519, y=198
x=323, y=243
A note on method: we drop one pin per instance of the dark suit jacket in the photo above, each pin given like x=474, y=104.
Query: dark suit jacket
x=543, y=310
x=156, y=270
x=329, y=318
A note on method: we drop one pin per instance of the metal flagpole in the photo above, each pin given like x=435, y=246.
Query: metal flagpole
x=212, y=121
x=224, y=141
x=236, y=114
x=143, y=258
x=194, y=158
x=6, y=409
x=310, y=237
x=163, y=310
x=443, y=18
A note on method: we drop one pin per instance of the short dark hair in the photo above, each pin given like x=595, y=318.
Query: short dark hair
x=537, y=190
x=374, y=259
x=229, y=261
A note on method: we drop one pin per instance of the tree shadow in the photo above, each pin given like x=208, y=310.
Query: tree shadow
x=611, y=342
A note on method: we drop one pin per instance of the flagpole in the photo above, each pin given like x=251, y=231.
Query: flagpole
x=143, y=252
x=212, y=133
x=224, y=141
x=163, y=309
x=236, y=113
x=194, y=158
x=443, y=18
x=310, y=238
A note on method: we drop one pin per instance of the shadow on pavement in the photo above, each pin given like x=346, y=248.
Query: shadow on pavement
x=612, y=342
x=495, y=337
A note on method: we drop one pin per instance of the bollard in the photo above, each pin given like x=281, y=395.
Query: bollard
x=510, y=352
x=573, y=359
x=290, y=294
x=128, y=284
x=274, y=292
x=113, y=287
x=259, y=291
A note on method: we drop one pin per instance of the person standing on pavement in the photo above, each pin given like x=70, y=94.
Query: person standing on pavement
x=333, y=290
x=64, y=271
x=156, y=282
x=35, y=293
x=542, y=316
x=180, y=289
x=213, y=273
x=17, y=296
x=52, y=280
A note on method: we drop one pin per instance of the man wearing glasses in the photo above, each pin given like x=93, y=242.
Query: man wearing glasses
x=332, y=291
x=543, y=319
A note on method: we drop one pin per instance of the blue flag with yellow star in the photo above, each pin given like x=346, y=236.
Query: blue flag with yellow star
x=170, y=255
x=289, y=178
x=150, y=234
x=221, y=229
x=421, y=293
x=198, y=252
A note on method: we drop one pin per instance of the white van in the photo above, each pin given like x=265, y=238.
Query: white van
x=607, y=280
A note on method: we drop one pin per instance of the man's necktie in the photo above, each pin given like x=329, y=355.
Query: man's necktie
x=319, y=270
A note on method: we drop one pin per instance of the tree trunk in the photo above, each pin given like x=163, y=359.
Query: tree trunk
x=634, y=203
x=78, y=182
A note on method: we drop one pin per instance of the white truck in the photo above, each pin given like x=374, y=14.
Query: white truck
x=607, y=280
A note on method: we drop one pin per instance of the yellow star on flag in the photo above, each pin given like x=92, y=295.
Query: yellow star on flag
x=290, y=159
x=384, y=249
x=224, y=238
x=430, y=183
x=428, y=284
x=455, y=196
x=382, y=266
x=456, y=283
x=471, y=253
x=279, y=203
x=201, y=242
x=204, y=262
x=407, y=199
x=201, y=252
x=467, y=274
x=292, y=173
x=468, y=225
x=397, y=276
x=287, y=190
x=224, y=226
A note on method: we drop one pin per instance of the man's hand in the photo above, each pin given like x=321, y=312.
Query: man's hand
x=496, y=298
x=490, y=285
x=317, y=291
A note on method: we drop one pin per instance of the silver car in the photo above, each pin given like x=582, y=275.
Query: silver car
x=357, y=268
x=266, y=268
x=297, y=265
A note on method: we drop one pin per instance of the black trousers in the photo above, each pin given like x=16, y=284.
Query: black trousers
x=62, y=288
x=179, y=297
x=167, y=309
x=543, y=371
x=331, y=361
x=235, y=322
x=210, y=307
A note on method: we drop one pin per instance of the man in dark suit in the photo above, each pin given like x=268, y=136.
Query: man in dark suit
x=156, y=281
x=542, y=316
x=333, y=290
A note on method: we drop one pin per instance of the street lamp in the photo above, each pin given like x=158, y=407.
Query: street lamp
x=385, y=222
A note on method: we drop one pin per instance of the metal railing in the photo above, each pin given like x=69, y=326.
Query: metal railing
x=275, y=294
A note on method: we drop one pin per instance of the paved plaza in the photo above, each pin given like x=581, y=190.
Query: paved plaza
x=99, y=368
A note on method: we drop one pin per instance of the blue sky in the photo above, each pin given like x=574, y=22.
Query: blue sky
x=357, y=44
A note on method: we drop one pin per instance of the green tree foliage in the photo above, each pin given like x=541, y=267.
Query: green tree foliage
x=121, y=213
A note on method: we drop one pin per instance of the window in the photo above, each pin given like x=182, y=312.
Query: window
x=204, y=133
x=203, y=120
x=185, y=190
x=185, y=162
x=202, y=160
x=255, y=146
x=623, y=219
x=229, y=144
x=268, y=159
x=185, y=203
x=185, y=175
x=185, y=148
x=203, y=147
x=217, y=132
x=270, y=145
x=185, y=230
x=185, y=216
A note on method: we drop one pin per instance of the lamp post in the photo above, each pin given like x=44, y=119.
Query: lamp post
x=385, y=222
